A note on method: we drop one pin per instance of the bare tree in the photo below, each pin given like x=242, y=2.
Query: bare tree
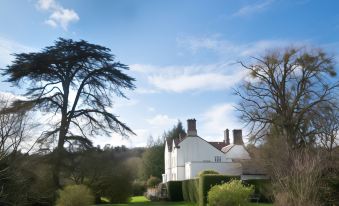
x=327, y=125
x=69, y=67
x=285, y=87
x=13, y=128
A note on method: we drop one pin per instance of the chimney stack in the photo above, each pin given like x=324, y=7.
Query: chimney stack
x=191, y=127
x=227, y=136
x=237, y=137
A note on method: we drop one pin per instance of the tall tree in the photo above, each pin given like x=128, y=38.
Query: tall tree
x=284, y=90
x=69, y=67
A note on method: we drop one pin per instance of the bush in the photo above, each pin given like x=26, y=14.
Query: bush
x=262, y=189
x=139, y=188
x=75, y=195
x=153, y=181
x=190, y=190
x=232, y=193
x=206, y=182
x=174, y=190
x=208, y=172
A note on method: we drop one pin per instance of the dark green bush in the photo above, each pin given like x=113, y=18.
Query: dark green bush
x=174, y=190
x=139, y=188
x=190, y=190
x=262, y=189
x=231, y=193
x=206, y=182
x=153, y=181
x=75, y=195
x=208, y=172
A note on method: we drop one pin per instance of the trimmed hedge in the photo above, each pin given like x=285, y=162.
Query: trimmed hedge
x=262, y=189
x=174, y=190
x=206, y=182
x=190, y=190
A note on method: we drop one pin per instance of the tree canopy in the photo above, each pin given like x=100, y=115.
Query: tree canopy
x=285, y=90
x=76, y=80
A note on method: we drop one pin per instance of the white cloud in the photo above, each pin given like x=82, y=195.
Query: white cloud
x=229, y=50
x=9, y=47
x=253, y=8
x=59, y=16
x=191, y=78
x=218, y=118
x=162, y=121
x=196, y=82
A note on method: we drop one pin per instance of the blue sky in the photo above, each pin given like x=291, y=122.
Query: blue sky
x=183, y=53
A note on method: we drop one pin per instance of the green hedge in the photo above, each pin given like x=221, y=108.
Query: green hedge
x=190, y=190
x=208, y=181
x=174, y=190
x=262, y=189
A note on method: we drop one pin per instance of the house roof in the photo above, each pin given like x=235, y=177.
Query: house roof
x=217, y=145
x=227, y=148
x=253, y=167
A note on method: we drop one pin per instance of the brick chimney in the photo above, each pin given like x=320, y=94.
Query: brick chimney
x=191, y=127
x=227, y=137
x=237, y=137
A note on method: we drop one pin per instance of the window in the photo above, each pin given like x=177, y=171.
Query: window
x=217, y=159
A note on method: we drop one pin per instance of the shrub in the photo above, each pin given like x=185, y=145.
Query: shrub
x=75, y=195
x=190, y=190
x=174, y=190
x=139, y=188
x=208, y=172
x=232, y=193
x=153, y=181
x=262, y=189
x=208, y=181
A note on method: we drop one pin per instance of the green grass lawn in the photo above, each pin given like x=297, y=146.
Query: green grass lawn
x=142, y=201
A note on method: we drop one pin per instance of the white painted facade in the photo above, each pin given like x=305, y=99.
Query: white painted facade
x=186, y=158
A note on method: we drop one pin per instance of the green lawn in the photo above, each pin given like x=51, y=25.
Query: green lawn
x=142, y=201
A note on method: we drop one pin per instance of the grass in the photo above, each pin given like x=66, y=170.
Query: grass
x=142, y=201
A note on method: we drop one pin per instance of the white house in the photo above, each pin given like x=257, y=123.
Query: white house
x=186, y=157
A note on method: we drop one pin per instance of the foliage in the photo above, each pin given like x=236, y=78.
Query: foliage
x=231, y=193
x=138, y=187
x=27, y=180
x=174, y=190
x=208, y=172
x=262, y=189
x=153, y=181
x=153, y=162
x=88, y=70
x=208, y=181
x=190, y=190
x=175, y=133
x=153, y=157
x=75, y=195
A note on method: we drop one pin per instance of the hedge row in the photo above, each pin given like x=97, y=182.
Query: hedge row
x=190, y=191
x=174, y=190
x=208, y=181
x=196, y=190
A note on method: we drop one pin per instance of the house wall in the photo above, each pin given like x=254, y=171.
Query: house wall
x=195, y=149
x=166, y=177
x=237, y=152
x=228, y=168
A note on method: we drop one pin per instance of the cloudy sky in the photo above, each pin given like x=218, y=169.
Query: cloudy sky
x=183, y=53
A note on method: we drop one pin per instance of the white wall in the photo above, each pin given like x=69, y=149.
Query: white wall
x=226, y=168
x=237, y=152
x=194, y=149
